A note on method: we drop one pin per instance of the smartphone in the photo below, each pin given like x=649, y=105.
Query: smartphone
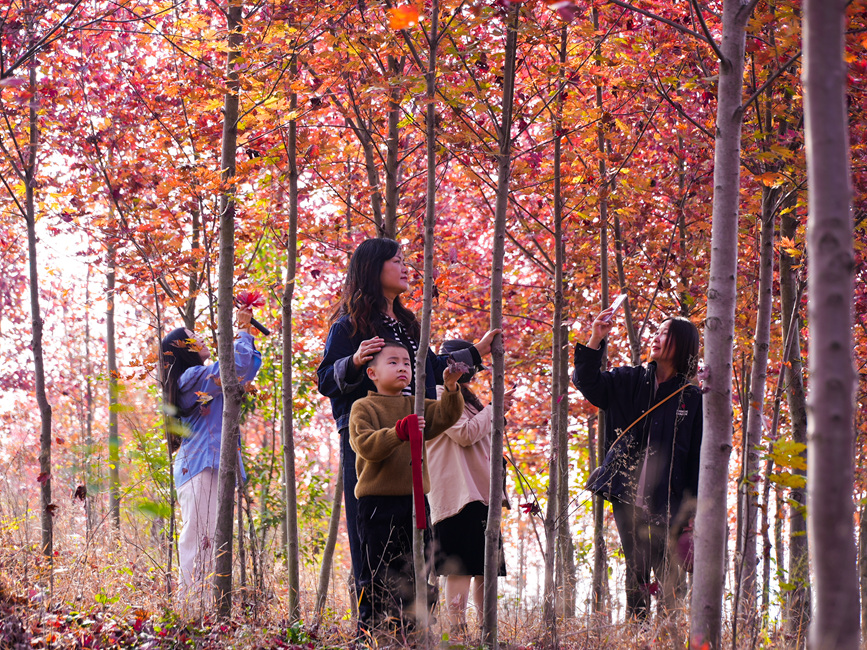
x=615, y=306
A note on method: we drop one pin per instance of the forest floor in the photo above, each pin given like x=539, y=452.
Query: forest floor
x=107, y=594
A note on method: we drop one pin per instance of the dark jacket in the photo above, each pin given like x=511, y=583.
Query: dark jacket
x=673, y=431
x=339, y=379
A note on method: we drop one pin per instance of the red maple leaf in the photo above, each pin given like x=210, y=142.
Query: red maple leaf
x=403, y=17
x=250, y=299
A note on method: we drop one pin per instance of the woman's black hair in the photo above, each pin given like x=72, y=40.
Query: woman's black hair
x=470, y=397
x=362, y=299
x=684, y=336
x=177, y=354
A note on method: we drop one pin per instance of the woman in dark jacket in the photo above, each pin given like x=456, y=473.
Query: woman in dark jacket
x=370, y=311
x=651, y=477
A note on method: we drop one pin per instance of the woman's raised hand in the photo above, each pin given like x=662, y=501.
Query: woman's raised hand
x=243, y=319
x=601, y=327
x=508, y=399
x=366, y=350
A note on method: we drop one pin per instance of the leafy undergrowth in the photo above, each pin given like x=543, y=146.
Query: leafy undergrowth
x=112, y=594
x=23, y=626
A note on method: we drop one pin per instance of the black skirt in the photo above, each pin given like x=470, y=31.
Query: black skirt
x=459, y=543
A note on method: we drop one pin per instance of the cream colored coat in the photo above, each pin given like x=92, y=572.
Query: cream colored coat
x=459, y=463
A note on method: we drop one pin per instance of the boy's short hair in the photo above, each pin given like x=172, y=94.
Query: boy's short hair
x=389, y=344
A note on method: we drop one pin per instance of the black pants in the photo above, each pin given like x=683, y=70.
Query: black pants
x=350, y=478
x=386, y=587
x=645, y=548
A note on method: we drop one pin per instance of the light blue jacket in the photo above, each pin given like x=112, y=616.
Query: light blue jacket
x=200, y=450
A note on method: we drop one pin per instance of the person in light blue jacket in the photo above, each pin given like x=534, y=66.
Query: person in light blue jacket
x=193, y=400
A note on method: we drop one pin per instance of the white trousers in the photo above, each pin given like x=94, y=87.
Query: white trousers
x=198, y=501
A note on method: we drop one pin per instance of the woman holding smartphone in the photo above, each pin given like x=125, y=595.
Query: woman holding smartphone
x=653, y=430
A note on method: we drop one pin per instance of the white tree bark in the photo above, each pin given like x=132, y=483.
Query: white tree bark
x=421, y=610
x=797, y=610
x=749, y=489
x=711, y=515
x=504, y=157
x=831, y=401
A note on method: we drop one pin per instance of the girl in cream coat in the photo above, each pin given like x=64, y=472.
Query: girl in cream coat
x=459, y=462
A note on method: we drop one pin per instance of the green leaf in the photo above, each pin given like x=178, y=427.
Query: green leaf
x=154, y=509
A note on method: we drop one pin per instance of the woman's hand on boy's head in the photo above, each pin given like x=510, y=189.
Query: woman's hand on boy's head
x=366, y=351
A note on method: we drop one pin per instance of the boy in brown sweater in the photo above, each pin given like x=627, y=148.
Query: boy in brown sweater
x=380, y=427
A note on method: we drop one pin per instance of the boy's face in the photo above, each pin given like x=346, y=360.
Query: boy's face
x=391, y=370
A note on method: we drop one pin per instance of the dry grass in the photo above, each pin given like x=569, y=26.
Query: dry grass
x=106, y=590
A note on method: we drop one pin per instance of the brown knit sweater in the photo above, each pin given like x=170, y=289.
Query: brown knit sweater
x=383, y=462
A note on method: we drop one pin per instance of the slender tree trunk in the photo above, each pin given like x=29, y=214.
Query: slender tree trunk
x=89, y=482
x=779, y=549
x=685, y=298
x=711, y=515
x=372, y=176
x=797, y=610
x=330, y=542
x=46, y=507
x=749, y=489
x=549, y=609
x=833, y=381
x=504, y=158
x=600, y=560
x=232, y=391
x=111, y=354
x=242, y=552
x=634, y=343
x=862, y=565
x=392, y=195
x=560, y=336
x=554, y=511
x=168, y=534
x=292, y=560
x=193, y=278
x=565, y=534
x=421, y=608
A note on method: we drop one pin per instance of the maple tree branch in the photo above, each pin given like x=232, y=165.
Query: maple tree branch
x=681, y=110
x=155, y=31
x=479, y=90
x=747, y=10
x=450, y=21
x=125, y=222
x=12, y=196
x=18, y=171
x=338, y=194
x=771, y=79
x=488, y=311
x=657, y=17
x=460, y=113
x=271, y=92
x=710, y=39
x=549, y=270
x=153, y=114
x=136, y=19
x=44, y=40
x=565, y=82
x=658, y=282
